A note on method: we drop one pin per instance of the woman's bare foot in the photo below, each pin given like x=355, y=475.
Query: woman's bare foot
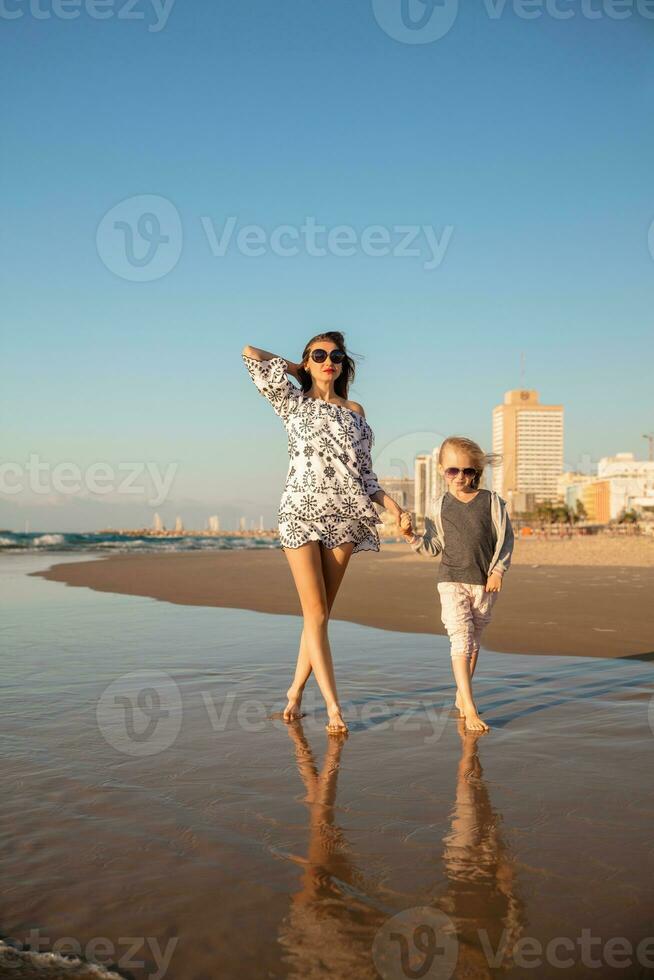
x=292, y=711
x=336, y=725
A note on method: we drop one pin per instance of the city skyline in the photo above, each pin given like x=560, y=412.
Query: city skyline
x=232, y=514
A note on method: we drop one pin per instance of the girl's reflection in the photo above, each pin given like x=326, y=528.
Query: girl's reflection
x=481, y=897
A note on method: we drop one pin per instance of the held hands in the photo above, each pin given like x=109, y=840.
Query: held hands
x=494, y=583
x=405, y=524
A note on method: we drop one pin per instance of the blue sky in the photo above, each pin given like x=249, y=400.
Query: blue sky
x=531, y=140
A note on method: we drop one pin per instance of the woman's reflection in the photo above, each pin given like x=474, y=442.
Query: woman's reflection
x=328, y=930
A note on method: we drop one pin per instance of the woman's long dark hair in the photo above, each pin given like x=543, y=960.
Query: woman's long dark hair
x=345, y=378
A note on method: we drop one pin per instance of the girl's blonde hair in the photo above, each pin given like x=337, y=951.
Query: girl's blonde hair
x=480, y=459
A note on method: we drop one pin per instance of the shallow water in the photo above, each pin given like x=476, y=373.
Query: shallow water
x=151, y=804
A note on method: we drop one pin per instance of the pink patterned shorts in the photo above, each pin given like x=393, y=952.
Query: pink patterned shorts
x=465, y=611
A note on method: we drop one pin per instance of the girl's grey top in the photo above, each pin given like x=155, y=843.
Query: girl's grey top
x=469, y=539
x=431, y=543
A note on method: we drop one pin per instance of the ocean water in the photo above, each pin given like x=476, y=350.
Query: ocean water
x=159, y=818
x=15, y=543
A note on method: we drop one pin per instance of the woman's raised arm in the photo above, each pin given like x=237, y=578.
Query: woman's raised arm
x=264, y=355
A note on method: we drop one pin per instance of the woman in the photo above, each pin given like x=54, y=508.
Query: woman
x=326, y=513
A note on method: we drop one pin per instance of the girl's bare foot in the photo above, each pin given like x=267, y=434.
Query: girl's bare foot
x=292, y=711
x=459, y=706
x=336, y=725
x=473, y=722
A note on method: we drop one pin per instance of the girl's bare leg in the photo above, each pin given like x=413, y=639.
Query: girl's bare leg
x=314, y=568
x=481, y=615
x=472, y=663
x=462, y=675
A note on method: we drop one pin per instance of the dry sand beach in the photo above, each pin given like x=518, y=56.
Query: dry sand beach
x=580, y=597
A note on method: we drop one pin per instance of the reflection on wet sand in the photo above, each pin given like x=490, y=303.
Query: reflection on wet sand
x=481, y=898
x=335, y=914
x=327, y=931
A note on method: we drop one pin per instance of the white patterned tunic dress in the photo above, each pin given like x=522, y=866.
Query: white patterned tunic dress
x=330, y=476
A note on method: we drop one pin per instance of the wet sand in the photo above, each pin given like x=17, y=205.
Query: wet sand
x=565, y=609
x=153, y=800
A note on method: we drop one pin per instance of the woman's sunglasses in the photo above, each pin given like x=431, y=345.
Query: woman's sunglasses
x=453, y=471
x=335, y=356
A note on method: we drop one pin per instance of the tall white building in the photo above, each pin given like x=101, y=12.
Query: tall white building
x=179, y=525
x=435, y=482
x=529, y=437
x=428, y=483
x=157, y=523
x=214, y=523
x=420, y=481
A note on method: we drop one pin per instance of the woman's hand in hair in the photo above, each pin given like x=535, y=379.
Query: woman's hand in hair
x=259, y=354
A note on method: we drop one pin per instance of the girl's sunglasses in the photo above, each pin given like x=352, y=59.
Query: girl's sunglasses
x=453, y=471
x=335, y=356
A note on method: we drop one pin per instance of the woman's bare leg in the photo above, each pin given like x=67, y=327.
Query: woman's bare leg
x=334, y=564
x=306, y=565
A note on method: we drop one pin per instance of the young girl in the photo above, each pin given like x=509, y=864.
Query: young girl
x=472, y=531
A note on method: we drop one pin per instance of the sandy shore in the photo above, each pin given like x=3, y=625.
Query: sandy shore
x=158, y=813
x=579, y=597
